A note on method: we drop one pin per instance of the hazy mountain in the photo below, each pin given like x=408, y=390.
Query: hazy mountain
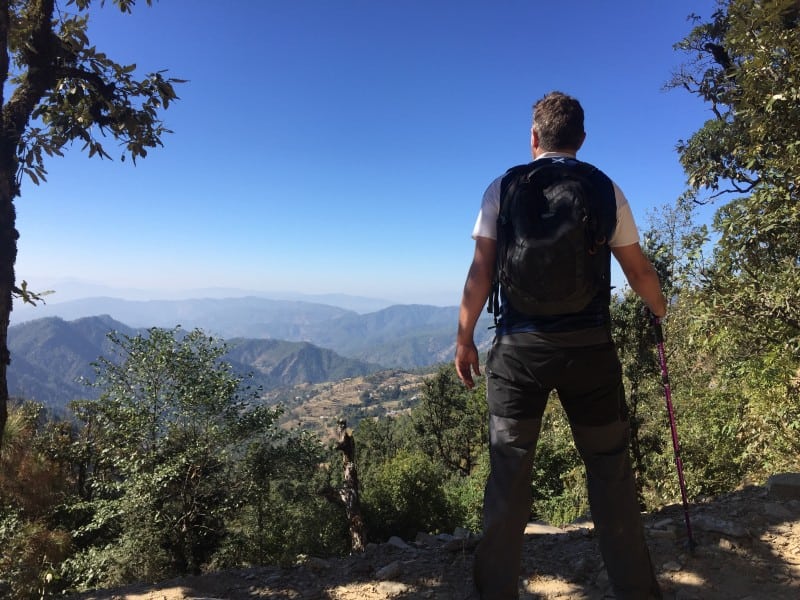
x=51, y=357
x=228, y=317
x=68, y=290
x=401, y=336
x=276, y=363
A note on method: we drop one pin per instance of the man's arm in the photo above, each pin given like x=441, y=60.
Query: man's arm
x=641, y=276
x=476, y=292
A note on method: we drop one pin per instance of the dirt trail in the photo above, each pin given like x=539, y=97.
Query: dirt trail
x=748, y=548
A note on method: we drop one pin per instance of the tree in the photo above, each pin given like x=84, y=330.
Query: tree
x=32, y=487
x=406, y=495
x=450, y=420
x=168, y=432
x=348, y=495
x=746, y=64
x=62, y=90
x=743, y=314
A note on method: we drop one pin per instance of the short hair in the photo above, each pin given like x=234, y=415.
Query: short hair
x=558, y=121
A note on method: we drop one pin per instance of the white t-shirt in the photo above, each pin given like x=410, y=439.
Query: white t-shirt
x=625, y=234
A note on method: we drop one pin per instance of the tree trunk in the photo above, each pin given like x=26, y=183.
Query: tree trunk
x=348, y=495
x=8, y=252
x=8, y=257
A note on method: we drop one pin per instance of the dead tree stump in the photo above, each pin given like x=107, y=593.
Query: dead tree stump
x=348, y=495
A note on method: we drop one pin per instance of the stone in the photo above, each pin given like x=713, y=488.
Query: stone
x=391, y=589
x=784, y=486
x=318, y=564
x=668, y=534
x=663, y=524
x=722, y=526
x=390, y=571
x=425, y=539
x=398, y=543
x=777, y=511
x=725, y=544
x=541, y=528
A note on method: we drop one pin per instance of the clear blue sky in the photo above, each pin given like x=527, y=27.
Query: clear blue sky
x=343, y=146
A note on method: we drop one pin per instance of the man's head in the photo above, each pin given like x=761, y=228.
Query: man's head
x=557, y=125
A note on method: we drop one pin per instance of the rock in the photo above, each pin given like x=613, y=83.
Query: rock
x=725, y=544
x=390, y=571
x=426, y=539
x=398, y=543
x=459, y=544
x=784, y=486
x=668, y=534
x=778, y=511
x=687, y=595
x=541, y=528
x=318, y=564
x=722, y=526
x=663, y=524
x=391, y=589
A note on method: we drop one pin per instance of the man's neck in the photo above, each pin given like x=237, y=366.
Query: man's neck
x=547, y=154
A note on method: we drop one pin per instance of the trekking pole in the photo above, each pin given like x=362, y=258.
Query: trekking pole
x=659, y=335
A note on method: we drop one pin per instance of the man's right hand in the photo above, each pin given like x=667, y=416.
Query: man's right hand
x=467, y=363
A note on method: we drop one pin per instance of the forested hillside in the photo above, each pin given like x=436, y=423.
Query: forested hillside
x=53, y=360
x=399, y=336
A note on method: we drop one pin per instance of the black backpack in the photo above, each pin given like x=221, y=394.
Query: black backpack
x=552, y=237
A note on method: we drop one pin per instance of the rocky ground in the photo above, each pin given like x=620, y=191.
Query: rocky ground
x=747, y=548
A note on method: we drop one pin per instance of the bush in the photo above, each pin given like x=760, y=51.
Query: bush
x=30, y=553
x=465, y=494
x=404, y=496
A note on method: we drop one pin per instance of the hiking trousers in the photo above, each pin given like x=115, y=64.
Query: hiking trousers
x=521, y=371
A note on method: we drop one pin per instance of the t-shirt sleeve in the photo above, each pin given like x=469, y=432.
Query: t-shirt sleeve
x=626, y=232
x=486, y=223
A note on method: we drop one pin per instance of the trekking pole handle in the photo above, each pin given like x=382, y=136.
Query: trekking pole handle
x=656, y=323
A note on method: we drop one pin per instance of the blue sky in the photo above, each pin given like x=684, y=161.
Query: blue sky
x=343, y=146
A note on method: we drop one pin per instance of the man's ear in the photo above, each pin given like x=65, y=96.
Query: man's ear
x=534, y=143
x=583, y=139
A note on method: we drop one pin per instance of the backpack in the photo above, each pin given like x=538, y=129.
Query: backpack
x=552, y=238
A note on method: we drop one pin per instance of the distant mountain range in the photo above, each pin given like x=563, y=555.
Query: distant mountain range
x=52, y=360
x=400, y=336
x=283, y=343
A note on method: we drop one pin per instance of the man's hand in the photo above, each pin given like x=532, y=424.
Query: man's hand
x=467, y=362
x=476, y=291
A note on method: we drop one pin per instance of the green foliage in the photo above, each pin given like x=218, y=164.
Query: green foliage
x=425, y=470
x=177, y=467
x=32, y=486
x=404, y=496
x=379, y=440
x=80, y=93
x=56, y=88
x=737, y=328
x=465, y=494
x=746, y=63
x=450, y=420
x=559, y=485
x=159, y=442
x=283, y=514
x=31, y=553
x=180, y=454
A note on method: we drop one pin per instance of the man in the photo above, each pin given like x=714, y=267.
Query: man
x=572, y=353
